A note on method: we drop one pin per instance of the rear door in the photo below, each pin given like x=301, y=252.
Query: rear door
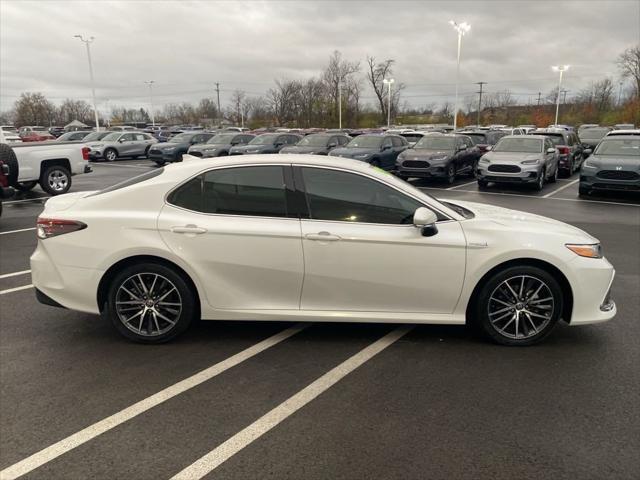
x=235, y=228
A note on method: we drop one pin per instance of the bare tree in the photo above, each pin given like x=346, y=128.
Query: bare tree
x=75, y=110
x=629, y=65
x=237, y=99
x=282, y=100
x=376, y=73
x=338, y=74
x=34, y=109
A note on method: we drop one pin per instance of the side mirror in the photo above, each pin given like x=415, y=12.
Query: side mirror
x=587, y=151
x=462, y=147
x=489, y=147
x=425, y=219
x=332, y=145
x=551, y=150
x=385, y=147
x=121, y=140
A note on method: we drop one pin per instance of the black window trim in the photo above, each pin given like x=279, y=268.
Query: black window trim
x=299, y=185
x=292, y=204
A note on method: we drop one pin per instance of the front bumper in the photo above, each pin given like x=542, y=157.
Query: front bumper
x=162, y=156
x=590, y=181
x=591, y=285
x=433, y=171
x=527, y=174
x=96, y=154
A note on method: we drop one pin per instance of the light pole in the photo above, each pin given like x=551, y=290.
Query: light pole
x=561, y=69
x=93, y=88
x=619, y=93
x=153, y=117
x=388, y=82
x=461, y=28
x=339, y=104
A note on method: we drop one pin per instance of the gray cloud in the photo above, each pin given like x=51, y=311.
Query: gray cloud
x=187, y=46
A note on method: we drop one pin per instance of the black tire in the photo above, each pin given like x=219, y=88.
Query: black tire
x=160, y=163
x=491, y=290
x=146, y=151
x=55, y=180
x=554, y=177
x=110, y=154
x=583, y=191
x=183, y=295
x=25, y=186
x=539, y=185
x=451, y=173
x=482, y=184
x=8, y=157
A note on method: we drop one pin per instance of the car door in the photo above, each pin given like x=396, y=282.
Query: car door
x=400, y=144
x=139, y=144
x=362, y=252
x=386, y=154
x=232, y=226
x=550, y=159
x=471, y=154
x=127, y=145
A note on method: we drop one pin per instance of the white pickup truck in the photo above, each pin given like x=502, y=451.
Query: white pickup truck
x=50, y=164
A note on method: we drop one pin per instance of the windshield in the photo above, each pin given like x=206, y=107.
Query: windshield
x=314, y=141
x=263, y=140
x=364, y=141
x=556, y=138
x=93, y=136
x=112, y=137
x=436, y=143
x=593, y=133
x=9, y=129
x=223, y=139
x=524, y=145
x=477, y=138
x=627, y=147
x=182, y=138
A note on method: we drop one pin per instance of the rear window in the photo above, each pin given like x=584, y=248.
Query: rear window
x=131, y=181
x=556, y=138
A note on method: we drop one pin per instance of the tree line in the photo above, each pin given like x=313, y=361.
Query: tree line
x=314, y=102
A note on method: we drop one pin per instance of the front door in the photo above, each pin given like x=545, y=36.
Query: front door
x=231, y=225
x=362, y=252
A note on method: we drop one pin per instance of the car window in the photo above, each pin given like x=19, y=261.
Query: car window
x=343, y=140
x=387, y=143
x=348, y=197
x=397, y=142
x=256, y=191
x=128, y=137
x=140, y=137
x=467, y=141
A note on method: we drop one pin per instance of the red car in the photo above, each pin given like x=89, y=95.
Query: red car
x=35, y=134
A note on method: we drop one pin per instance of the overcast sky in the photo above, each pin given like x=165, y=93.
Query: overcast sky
x=186, y=46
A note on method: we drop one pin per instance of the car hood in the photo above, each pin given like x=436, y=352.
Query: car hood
x=207, y=147
x=302, y=149
x=510, y=157
x=251, y=148
x=611, y=162
x=352, y=152
x=523, y=221
x=423, y=154
x=162, y=145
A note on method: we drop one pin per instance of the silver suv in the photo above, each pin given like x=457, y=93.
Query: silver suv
x=121, y=144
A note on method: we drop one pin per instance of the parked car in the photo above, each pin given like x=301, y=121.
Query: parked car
x=441, y=157
x=220, y=144
x=51, y=164
x=568, y=128
x=10, y=134
x=413, y=137
x=317, y=144
x=73, y=136
x=513, y=131
x=177, y=146
x=483, y=139
x=527, y=128
x=378, y=150
x=56, y=131
x=221, y=239
x=590, y=137
x=569, y=147
x=619, y=133
x=123, y=128
x=121, y=144
x=520, y=159
x=624, y=126
x=35, y=134
x=266, y=143
x=614, y=165
x=95, y=136
x=6, y=190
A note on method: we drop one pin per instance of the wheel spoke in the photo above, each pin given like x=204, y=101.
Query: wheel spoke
x=536, y=314
x=144, y=287
x=495, y=320
x=534, y=302
x=134, y=316
x=165, y=318
x=155, y=320
x=135, y=297
x=515, y=295
x=535, y=330
x=500, y=301
x=166, y=294
x=501, y=310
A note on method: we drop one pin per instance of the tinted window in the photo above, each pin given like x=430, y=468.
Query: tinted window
x=467, y=141
x=341, y=196
x=343, y=140
x=141, y=137
x=397, y=142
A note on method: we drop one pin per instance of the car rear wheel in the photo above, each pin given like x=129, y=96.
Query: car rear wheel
x=55, y=180
x=451, y=173
x=26, y=186
x=539, y=185
x=519, y=305
x=110, y=155
x=150, y=303
x=554, y=177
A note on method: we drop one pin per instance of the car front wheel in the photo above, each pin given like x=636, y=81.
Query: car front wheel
x=55, y=180
x=150, y=303
x=519, y=305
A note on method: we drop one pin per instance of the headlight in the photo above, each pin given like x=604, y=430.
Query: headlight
x=169, y=149
x=588, y=164
x=590, y=250
x=97, y=146
x=530, y=162
x=361, y=155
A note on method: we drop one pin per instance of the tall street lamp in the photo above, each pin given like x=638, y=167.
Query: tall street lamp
x=389, y=82
x=561, y=69
x=153, y=117
x=461, y=28
x=340, y=104
x=93, y=88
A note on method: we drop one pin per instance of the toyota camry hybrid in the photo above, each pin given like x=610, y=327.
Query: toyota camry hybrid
x=262, y=237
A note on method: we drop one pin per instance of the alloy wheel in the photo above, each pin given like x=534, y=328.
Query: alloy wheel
x=58, y=180
x=148, y=304
x=521, y=307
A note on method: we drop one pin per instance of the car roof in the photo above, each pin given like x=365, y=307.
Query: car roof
x=536, y=137
x=614, y=133
x=550, y=131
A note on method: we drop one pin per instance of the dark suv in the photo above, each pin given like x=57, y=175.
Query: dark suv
x=614, y=165
x=266, y=143
x=569, y=147
x=483, y=139
x=318, y=144
x=378, y=150
x=443, y=156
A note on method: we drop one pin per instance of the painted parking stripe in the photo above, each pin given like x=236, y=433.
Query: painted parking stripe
x=18, y=231
x=561, y=188
x=14, y=274
x=10, y=290
x=462, y=185
x=248, y=435
x=63, y=446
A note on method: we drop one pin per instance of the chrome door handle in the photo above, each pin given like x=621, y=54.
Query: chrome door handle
x=193, y=229
x=322, y=237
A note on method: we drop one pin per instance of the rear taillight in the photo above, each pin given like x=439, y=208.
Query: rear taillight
x=51, y=227
x=564, y=150
x=85, y=153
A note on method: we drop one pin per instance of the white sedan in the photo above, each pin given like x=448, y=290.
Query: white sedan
x=298, y=238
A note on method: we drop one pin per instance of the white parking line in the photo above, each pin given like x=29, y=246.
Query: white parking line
x=561, y=188
x=462, y=185
x=66, y=444
x=14, y=274
x=4, y=292
x=18, y=231
x=248, y=435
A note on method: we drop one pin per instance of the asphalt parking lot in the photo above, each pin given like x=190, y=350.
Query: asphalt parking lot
x=406, y=402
